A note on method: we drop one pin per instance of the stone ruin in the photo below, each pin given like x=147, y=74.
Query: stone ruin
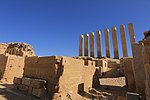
x=19, y=49
x=68, y=77
x=12, y=56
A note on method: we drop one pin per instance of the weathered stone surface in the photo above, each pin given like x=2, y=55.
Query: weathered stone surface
x=23, y=87
x=26, y=81
x=11, y=66
x=19, y=49
x=38, y=83
x=63, y=78
x=17, y=80
x=127, y=64
x=107, y=43
x=39, y=92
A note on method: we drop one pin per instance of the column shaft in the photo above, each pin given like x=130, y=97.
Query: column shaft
x=115, y=43
x=86, y=36
x=81, y=46
x=98, y=39
x=107, y=44
x=92, y=44
x=131, y=33
x=123, y=40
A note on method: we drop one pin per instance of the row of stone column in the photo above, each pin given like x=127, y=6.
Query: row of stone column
x=85, y=39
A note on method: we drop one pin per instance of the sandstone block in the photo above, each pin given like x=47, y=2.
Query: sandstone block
x=26, y=81
x=23, y=87
x=17, y=80
x=37, y=83
x=39, y=92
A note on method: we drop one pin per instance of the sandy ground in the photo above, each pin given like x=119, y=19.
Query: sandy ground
x=8, y=93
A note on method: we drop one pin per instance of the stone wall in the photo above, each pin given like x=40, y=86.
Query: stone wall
x=138, y=68
x=64, y=74
x=11, y=66
x=127, y=70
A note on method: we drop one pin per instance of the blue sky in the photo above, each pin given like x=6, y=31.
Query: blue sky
x=53, y=27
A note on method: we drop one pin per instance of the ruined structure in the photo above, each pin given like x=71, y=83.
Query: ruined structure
x=12, y=56
x=68, y=77
x=18, y=49
x=88, y=41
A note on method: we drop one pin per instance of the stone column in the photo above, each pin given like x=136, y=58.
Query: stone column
x=81, y=46
x=86, y=36
x=115, y=43
x=131, y=33
x=92, y=44
x=107, y=45
x=98, y=40
x=123, y=40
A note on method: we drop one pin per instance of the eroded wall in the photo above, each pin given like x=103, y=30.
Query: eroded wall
x=63, y=74
x=11, y=66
